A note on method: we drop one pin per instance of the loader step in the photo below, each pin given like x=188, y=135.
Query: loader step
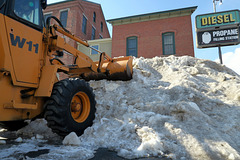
x=15, y=105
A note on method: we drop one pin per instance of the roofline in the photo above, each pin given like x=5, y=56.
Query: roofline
x=65, y=1
x=51, y=4
x=91, y=2
x=149, y=14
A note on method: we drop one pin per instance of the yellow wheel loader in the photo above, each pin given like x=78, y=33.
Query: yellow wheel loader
x=29, y=85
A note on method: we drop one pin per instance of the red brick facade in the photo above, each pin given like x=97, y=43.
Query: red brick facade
x=76, y=10
x=149, y=33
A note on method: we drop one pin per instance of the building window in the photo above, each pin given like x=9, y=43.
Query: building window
x=93, y=51
x=168, y=43
x=101, y=26
x=84, y=25
x=132, y=46
x=94, y=16
x=93, y=33
x=100, y=36
x=63, y=17
x=46, y=16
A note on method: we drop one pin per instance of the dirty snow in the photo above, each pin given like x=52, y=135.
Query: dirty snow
x=177, y=107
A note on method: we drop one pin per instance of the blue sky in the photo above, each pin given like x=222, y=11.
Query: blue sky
x=117, y=9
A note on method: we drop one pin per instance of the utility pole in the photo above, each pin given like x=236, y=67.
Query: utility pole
x=219, y=47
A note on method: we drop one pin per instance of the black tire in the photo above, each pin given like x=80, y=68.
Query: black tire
x=71, y=107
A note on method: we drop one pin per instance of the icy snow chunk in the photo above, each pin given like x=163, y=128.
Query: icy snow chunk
x=2, y=129
x=111, y=86
x=194, y=106
x=186, y=107
x=146, y=73
x=19, y=140
x=38, y=136
x=2, y=142
x=187, y=110
x=151, y=142
x=231, y=157
x=237, y=95
x=192, y=70
x=158, y=120
x=71, y=139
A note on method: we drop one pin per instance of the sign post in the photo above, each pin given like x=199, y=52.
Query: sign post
x=220, y=54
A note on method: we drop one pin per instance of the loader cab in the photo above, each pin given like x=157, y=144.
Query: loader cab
x=23, y=28
x=28, y=12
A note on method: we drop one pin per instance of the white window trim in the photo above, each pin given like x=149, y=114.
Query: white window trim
x=85, y=16
x=47, y=13
x=62, y=10
x=94, y=28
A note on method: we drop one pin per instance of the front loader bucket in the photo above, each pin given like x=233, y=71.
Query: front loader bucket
x=120, y=69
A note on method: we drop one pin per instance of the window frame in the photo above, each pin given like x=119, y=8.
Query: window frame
x=101, y=26
x=91, y=50
x=94, y=17
x=61, y=11
x=84, y=25
x=49, y=13
x=127, y=45
x=173, y=44
x=93, y=36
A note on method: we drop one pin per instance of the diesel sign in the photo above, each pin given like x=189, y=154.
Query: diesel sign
x=217, y=19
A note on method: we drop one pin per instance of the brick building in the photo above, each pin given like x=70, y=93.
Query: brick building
x=155, y=34
x=83, y=18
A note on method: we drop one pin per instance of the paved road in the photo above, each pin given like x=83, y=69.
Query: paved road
x=101, y=154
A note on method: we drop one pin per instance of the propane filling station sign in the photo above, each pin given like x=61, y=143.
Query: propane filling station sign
x=218, y=29
x=219, y=36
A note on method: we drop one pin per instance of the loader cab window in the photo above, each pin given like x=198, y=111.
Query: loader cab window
x=28, y=10
x=2, y=4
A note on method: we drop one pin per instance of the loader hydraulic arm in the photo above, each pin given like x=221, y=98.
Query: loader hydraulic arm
x=103, y=55
x=84, y=67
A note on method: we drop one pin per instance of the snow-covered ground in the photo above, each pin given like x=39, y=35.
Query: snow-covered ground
x=177, y=107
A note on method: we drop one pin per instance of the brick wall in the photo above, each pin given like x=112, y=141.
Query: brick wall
x=149, y=35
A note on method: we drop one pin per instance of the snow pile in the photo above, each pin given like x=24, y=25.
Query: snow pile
x=178, y=107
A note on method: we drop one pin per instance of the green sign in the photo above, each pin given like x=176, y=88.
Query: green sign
x=217, y=19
